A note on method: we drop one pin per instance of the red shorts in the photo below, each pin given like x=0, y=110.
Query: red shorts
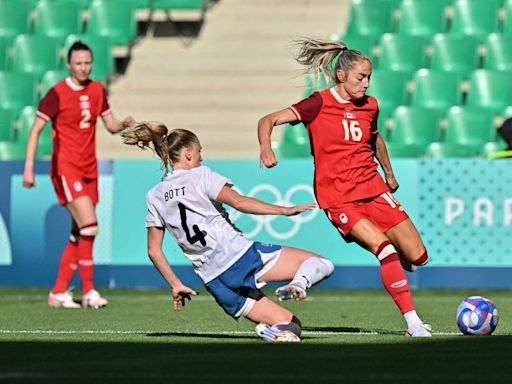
x=69, y=188
x=384, y=211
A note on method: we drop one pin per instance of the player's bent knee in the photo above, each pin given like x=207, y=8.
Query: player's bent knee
x=329, y=265
x=90, y=230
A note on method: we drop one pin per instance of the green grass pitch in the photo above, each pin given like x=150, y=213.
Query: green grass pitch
x=350, y=336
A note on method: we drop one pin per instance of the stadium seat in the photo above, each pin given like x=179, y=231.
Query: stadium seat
x=415, y=126
x=371, y=18
x=498, y=52
x=114, y=21
x=4, y=52
x=493, y=146
x=58, y=19
x=11, y=150
x=422, y=18
x=438, y=150
x=490, y=89
x=389, y=88
x=14, y=18
x=456, y=54
x=315, y=84
x=179, y=4
x=401, y=52
x=50, y=78
x=295, y=142
x=103, y=60
x=7, y=118
x=507, y=112
x=469, y=127
x=364, y=44
x=35, y=54
x=507, y=17
x=436, y=89
x=17, y=90
x=474, y=18
x=25, y=122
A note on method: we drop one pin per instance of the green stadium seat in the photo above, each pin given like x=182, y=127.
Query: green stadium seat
x=113, y=20
x=315, y=84
x=10, y=150
x=490, y=89
x=422, y=18
x=7, y=118
x=50, y=78
x=371, y=18
x=401, y=52
x=4, y=52
x=35, y=54
x=389, y=88
x=58, y=19
x=498, y=52
x=469, y=127
x=493, y=147
x=507, y=112
x=103, y=60
x=364, y=44
x=179, y=4
x=15, y=18
x=25, y=122
x=17, y=90
x=456, y=54
x=474, y=18
x=415, y=126
x=295, y=142
x=436, y=89
x=438, y=150
x=507, y=16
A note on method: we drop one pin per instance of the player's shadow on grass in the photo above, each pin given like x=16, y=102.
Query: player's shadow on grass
x=204, y=335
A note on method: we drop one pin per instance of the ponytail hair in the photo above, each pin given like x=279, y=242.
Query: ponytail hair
x=318, y=56
x=167, y=145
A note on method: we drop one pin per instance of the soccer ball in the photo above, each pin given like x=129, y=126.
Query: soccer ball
x=477, y=315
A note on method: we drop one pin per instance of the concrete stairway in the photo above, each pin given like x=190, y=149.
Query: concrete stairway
x=239, y=68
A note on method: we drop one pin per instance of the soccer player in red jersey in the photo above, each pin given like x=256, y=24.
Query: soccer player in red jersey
x=73, y=105
x=342, y=127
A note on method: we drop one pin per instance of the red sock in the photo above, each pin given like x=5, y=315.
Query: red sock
x=393, y=277
x=85, y=263
x=67, y=267
x=423, y=259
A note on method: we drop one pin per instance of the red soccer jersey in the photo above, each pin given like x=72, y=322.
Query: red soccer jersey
x=74, y=110
x=340, y=133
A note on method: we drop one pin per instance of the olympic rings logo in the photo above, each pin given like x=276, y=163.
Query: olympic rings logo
x=267, y=222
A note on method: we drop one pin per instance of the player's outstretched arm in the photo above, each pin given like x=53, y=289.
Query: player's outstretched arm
x=265, y=126
x=180, y=292
x=257, y=207
x=381, y=153
x=29, y=180
x=114, y=126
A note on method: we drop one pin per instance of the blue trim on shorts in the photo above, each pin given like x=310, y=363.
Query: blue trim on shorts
x=232, y=287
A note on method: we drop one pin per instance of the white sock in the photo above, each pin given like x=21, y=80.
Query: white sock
x=313, y=270
x=289, y=326
x=412, y=318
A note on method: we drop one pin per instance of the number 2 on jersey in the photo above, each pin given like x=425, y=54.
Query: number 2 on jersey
x=198, y=234
x=352, y=130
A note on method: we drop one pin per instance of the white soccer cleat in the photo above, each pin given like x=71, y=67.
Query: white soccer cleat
x=273, y=335
x=93, y=299
x=409, y=267
x=419, y=330
x=62, y=300
x=292, y=291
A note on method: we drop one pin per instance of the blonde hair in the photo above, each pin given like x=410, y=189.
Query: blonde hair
x=318, y=56
x=167, y=145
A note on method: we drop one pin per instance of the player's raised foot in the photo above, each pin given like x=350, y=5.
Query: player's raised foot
x=409, y=267
x=419, y=330
x=62, y=300
x=271, y=334
x=93, y=299
x=292, y=291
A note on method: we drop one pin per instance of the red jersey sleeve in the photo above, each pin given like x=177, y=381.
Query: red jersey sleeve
x=49, y=106
x=105, y=107
x=308, y=109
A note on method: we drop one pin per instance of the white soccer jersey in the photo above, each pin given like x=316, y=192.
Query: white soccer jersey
x=184, y=203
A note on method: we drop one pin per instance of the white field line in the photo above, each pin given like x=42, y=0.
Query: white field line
x=187, y=332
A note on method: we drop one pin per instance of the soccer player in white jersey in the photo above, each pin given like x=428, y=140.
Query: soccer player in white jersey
x=188, y=203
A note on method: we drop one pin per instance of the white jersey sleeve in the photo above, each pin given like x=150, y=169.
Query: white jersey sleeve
x=184, y=203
